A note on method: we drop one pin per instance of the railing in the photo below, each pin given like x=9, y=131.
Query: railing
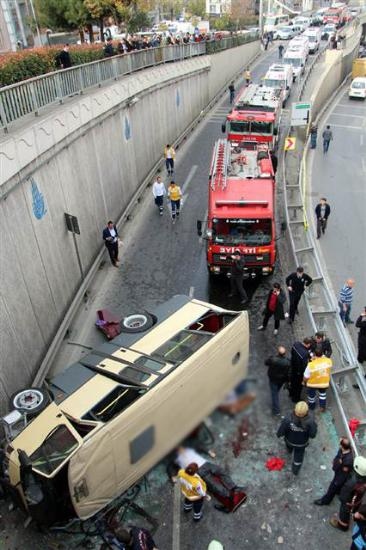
x=30, y=96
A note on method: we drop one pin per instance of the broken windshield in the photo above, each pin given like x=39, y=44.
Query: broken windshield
x=55, y=449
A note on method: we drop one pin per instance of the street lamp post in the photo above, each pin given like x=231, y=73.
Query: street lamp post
x=36, y=22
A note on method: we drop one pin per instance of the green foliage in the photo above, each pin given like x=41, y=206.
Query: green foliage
x=25, y=64
x=197, y=8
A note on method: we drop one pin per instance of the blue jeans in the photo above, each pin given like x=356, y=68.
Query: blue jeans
x=275, y=390
x=232, y=95
x=344, y=315
x=326, y=145
x=175, y=205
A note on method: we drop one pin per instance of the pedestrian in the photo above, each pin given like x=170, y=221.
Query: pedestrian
x=300, y=355
x=193, y=489
x=278, y=375
x=232, y=92
x=313, y=135
x=274, y=160
x=110, y=237
x=274, y=306
x=322, y=211
x=159, y=192
x=361, y=324
x=352, y=495
x=297, y=429
x=342, y=468
x=345, y=302
x=135, y=538
x=175, y=196
x=169, y=155
x=108, y=48
x=280, y=51
x=296, y=283
x=327, y=137
x=266, y=42
x=317, y=379
x=359, y=529
x=247, y=76
x=236, y=276
x=319, y=340
x=64, y=57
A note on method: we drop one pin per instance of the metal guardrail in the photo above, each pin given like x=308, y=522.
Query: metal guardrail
x=321, y=303
x=34, y=94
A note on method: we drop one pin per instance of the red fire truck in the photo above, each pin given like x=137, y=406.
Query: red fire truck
x=337, y=15
x=256, y=116
x=240, y=209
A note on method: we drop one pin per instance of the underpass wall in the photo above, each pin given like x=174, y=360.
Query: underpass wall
x=88, y=158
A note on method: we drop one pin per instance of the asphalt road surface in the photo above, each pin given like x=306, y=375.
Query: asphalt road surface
x=340, y=176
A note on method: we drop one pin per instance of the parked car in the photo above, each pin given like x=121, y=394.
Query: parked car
x=357, y=89
x=284, y=33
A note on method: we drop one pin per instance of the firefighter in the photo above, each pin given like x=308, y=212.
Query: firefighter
x=236, y=275
x=352, y=495
x=193, y=489
x=342, y=468
x=317, y=379
x=297, y=429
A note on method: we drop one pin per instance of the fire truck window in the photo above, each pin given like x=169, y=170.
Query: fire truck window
x=261, y=127
x=239, y=127
x=247, y=232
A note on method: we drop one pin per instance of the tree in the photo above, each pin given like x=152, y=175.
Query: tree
x=132, y=15
x=77, y=14
x=52, y=14
x=197, y=8
x=99, y=9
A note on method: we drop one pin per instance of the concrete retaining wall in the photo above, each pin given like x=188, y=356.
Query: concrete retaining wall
x=86, y=158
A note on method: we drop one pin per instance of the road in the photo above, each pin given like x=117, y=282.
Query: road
x=159, y=260
x=340, y=176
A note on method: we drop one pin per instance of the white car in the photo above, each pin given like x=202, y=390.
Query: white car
x=285, y=33
x=329, y=31
x=358, y=88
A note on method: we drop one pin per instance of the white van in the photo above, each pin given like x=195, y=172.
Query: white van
x=358, y=88
x=314, y=35
x=279, y=76
x=302, y=41
x=303, y=22
x=295, y=57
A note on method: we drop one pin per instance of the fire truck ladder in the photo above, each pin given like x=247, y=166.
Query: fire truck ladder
x=219, y=164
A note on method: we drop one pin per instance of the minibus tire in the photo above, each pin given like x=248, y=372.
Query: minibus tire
x=38, y=400
x=137, y=322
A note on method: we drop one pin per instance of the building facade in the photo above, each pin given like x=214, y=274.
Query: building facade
x=15, y=30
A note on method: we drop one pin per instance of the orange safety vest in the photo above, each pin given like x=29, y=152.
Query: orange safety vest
x=190, y=485
x=319, y=372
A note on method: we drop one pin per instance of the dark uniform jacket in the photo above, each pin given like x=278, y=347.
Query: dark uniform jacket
x=237, y=269
x=342, y=467
x=361, y=324
x=298, y=284
x=299, y=358
x=325, y=346
x=297, y=431
x=318, y=211
x=278, y=369
x=353, y=492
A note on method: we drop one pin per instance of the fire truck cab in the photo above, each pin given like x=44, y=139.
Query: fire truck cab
x=255, y=117
x=241, y=209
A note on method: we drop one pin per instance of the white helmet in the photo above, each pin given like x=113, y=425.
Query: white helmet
x=359, y=466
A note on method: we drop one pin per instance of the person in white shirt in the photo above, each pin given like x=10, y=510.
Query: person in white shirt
x=159, y=192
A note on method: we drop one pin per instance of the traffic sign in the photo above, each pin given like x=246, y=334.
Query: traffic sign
x=290, y=143
x=300, y=114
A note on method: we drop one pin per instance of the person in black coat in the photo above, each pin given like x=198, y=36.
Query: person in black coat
x=278, y=375
x=110, y=237
x=361, y=324
x=322, y=211
x=352, y=495
x=64, y=58
x=296, y=283
x=108, y=48
x=236, y=277
x=320, y=341
x=300, y=356
x=297, y=429
x=274, y=306
x=342, y=468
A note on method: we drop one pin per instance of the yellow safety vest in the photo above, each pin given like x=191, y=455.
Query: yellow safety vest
x=174, y=193
x=169, y=150
x=319, y=372
x=247, y=75
x=190, y=484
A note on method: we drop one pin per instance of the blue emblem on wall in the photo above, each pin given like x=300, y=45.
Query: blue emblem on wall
x=38, y=204
x=177, y=98
x=128, y=132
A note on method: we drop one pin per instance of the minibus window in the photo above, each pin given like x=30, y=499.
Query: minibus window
x=155, y=366
x=182, y=345
x=113, y=404
x=55, y=449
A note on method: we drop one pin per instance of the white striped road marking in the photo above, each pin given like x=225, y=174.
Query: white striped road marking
x=363, y=163
x=361, y=140
x=189, y=178
x=346, y=114
x=191, y=292
x=347, y=127
x=204, y=224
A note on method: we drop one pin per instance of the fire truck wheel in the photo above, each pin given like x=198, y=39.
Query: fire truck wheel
x=137, y=322
x=30, y=400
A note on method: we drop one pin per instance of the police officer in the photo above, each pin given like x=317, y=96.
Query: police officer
x=297, y=429
x=300, y=355
x=342, y=468
x=236, y=277
x=352, y=494
x=317, y=379
x=296, y=283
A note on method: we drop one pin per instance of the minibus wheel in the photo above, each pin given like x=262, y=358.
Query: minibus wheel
x=137, y=322
x=30, y=400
